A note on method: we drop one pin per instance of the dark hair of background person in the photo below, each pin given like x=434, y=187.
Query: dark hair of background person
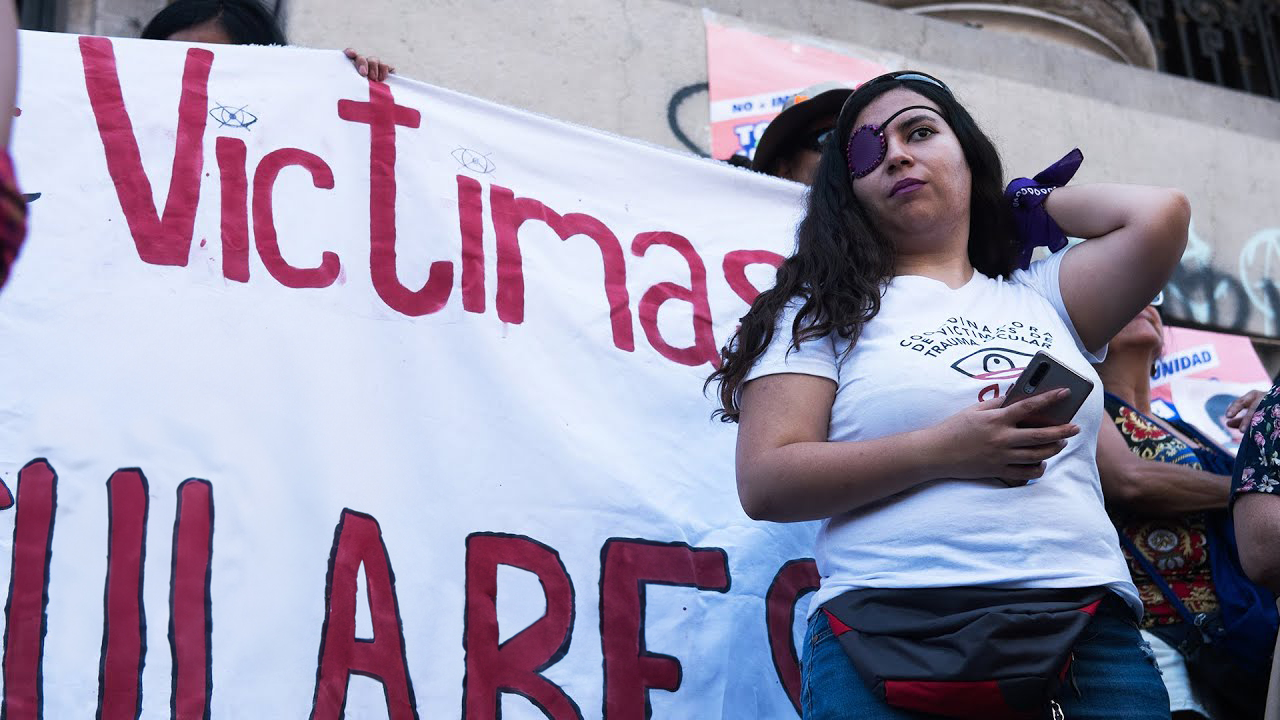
x=841, y=263
x=246, y=22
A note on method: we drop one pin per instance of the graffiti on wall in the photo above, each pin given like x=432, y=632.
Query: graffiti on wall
x=680, y=98
x=1208, y=288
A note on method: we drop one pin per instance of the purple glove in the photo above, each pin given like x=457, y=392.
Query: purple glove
x=1026, y=197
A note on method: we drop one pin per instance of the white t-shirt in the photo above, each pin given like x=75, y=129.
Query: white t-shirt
x=929, y=353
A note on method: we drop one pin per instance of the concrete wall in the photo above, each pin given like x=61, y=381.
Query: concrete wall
x=636, y=67
x=116, y=18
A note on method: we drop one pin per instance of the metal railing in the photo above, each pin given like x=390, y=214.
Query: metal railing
x=1232, y=43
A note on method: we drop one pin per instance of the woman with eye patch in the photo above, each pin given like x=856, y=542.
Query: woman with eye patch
x=862, y=402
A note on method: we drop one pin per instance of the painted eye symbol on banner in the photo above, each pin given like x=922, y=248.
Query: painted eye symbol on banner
x=993, y=364
x=233, y=117
x=474, y=161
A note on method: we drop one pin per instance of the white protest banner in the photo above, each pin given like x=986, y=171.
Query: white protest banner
x=326, y=397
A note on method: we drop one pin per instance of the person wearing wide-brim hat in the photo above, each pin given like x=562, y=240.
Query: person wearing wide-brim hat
x=792, y=144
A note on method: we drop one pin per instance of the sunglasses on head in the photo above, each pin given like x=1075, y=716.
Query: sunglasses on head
x=867, y=146
x=818, y=138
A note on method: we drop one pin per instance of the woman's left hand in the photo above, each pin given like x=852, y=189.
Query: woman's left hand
x=1241, y=410
x=370, y=67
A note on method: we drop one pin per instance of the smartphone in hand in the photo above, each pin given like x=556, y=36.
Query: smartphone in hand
x=1043, y=374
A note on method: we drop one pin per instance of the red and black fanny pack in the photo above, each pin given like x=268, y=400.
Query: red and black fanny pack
x=972, y=653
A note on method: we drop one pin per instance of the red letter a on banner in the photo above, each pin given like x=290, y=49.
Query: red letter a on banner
x=25, y=619
x=626, y=566
x=515, y=665
x=735, y=270
x=703, y=349
x=358, y=541
x=161, y=240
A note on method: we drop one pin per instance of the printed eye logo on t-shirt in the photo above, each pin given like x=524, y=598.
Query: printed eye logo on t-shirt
x=990, y=362
x=993, y=364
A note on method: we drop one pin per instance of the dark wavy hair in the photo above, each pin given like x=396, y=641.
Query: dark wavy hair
x=841, y=263
x=246, y=22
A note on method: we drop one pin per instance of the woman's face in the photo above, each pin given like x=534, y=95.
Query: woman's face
x=923, y=184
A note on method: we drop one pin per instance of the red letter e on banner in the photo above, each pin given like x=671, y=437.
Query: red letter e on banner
x=626, y=566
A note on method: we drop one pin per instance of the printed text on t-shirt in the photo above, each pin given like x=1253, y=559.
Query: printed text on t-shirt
x=957, y=331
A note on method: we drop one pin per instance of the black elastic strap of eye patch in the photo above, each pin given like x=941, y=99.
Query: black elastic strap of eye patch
x=880, y=128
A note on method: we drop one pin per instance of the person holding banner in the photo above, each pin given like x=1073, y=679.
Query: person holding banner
x=237, y=22
x=792, y=144
x=867, y=385
x=1167, y=485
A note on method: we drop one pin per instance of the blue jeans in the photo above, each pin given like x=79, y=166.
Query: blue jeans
x=1115, y=676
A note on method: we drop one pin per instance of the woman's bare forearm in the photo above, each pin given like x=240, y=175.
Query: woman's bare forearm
x=1095, y=211
x=814, y=480
x=1150, y=487
x=1159, y=488
x=802, y=479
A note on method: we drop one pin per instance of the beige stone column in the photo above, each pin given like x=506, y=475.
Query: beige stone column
x=1110, y=28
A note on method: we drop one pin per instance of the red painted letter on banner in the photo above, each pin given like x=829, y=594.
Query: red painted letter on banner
x=735, y=270
x=124, y=631
x=515, y=665
x=25, y=613
x=382, y=115
x=471, y=226
x=358, y=542
x=792, y=582
x=160, y=239
x=264, y=228
x=235, y=208
x=703, y=349
x=190, y=603
x=510, y=212
x=626, y=567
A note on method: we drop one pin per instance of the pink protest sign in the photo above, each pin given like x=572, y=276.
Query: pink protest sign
x=1206, y=355
x=1201, y=372
x=751, y=77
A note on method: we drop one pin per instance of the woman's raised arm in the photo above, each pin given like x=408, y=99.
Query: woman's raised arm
x=1136, y=235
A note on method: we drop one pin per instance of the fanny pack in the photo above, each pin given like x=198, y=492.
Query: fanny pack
x=972, y=653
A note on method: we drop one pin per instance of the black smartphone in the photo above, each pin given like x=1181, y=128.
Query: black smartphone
x=1045, y=373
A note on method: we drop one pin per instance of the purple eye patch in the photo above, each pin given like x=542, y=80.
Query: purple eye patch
x=867, y=146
